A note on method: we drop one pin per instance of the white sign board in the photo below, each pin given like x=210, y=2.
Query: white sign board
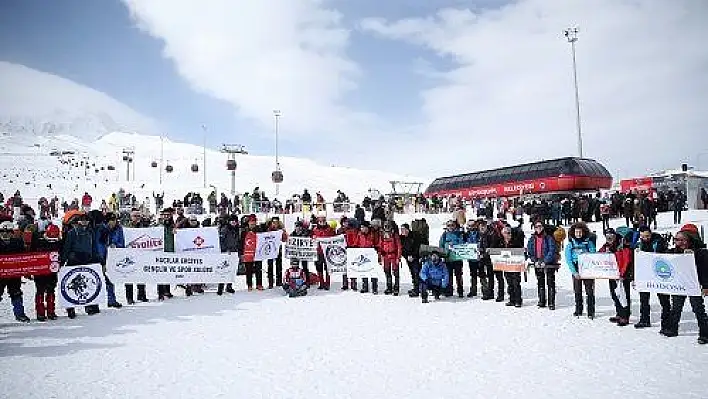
x=301, y=248
x=205, y=239
x=335, y=253
x=673, y=274
x=125, y=265
x=268, y=245
x=599, y=265
x=148, y=239
x=81, y=286
x=363, y=263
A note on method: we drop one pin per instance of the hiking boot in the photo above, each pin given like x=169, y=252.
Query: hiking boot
x=614, y=319
x=71, y=313
x=230, y=288
x=642, y=324
x=622, y=322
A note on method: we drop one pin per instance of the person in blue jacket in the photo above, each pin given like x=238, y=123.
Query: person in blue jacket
x=579, y=242
x=109, y=235
x=434, y=276
x=450, y=237
x=541, y=250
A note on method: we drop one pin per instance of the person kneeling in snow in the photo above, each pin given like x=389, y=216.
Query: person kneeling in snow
x=433, y=276
x=295, y=279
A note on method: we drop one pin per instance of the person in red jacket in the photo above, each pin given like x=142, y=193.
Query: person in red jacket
x=322, y=230
x=295, y=280
x=86, y=202
x=625, y=260
x=350, y=236
x=390, y=253
x=367, y=238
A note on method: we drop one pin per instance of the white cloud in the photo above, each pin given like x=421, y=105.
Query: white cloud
x=643, y=75
x=259, y=56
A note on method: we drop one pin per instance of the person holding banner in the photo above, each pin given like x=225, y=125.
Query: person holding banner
x=450, y=237
x=350, y=234
x=274, y=225
x=322, y=230
x=621, y=248
x=688, y=240
x=80, y=249
x=651, y=242
x=10, y=244
x=110, y=235
x=228, y=237
x=579, y=242
x=302, y=231
x=541, y=250
x=476, y=267
x=368, y=239
x=167, y=222
x=45, y=285
x=488, y=239
x=248, y=249
x=513, y=279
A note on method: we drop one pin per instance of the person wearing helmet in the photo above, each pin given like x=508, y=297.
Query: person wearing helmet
x=45, y=299
x=10, y=244
x=322, y=230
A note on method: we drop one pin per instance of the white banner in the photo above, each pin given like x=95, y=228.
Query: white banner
x=268, y=245
x=81, y=286
x=599, y=265
x=363, y=262
x=149, y=239
x=147, y=267
x=205, y=239
x=673, y=274
x=335, y=253
x=301, y=248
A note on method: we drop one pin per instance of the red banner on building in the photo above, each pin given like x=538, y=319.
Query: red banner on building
x=29, y=263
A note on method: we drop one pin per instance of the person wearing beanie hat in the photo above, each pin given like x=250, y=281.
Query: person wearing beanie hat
x=688, y=240
x=45, y=299
x=10, y=244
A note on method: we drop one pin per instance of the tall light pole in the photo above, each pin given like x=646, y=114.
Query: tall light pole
x=277, y=114
x=572, y=35
x=204, y=128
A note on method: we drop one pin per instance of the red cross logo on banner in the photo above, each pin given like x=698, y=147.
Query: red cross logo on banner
x=198, y=241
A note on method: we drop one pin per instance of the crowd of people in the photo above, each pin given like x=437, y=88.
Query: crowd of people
x=85, y=236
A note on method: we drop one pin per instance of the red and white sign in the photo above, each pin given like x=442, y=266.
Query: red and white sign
x=30, y=263
x=203, y=239
x=599, y=265
x=148, y=239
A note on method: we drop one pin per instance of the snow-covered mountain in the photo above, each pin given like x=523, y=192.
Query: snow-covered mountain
x=34, y=103
x=41, y=114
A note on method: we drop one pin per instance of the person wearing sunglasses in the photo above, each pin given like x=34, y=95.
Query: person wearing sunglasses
x=541, y=250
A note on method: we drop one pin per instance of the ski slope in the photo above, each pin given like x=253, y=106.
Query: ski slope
x=333, y=344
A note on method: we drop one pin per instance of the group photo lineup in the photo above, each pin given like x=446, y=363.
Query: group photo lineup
x=488, y=199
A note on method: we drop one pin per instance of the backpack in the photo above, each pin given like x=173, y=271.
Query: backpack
x=421, y=227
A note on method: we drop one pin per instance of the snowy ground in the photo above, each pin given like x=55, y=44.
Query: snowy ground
x=348, y=345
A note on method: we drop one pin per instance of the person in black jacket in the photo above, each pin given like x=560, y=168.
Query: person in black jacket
x=488, y=239
x=229, y=239
x=688, y=240
x=410, y=250
x=9, y=244
x=651, y=242
x=359, y=214
x=80, y=249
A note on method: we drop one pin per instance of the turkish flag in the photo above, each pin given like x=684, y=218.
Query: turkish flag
x=249, y=246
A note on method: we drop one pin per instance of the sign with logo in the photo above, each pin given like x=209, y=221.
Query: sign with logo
x=508, y=259
x=600, y=265
x=148, y=239
x=125, y=265
x=673, y=274
x=81, y=286
x=268, y=245
x=335, y=253
x=205, y=239
x=301, y=248
x=463, y=252
x=29, y=264
x=363, y=263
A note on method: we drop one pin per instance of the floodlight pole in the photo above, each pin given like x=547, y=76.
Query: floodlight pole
x=572, y=35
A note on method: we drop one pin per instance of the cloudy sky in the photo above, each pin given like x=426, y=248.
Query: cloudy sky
x=427, y=87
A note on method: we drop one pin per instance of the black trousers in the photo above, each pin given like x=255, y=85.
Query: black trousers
x=129, y=292
x=589, y=286
x=513, y=280
x=278, y=271
x=645, y=308
x=621, y=311
x=699, y=309
x=546, y=277
x=491, y=275
x=476, y=272
x=45, y=284
x=677, y=216
x=414, y=268
x=454, y=269
x=251, y=269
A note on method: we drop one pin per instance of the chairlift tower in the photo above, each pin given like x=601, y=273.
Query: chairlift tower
x=232, y=150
